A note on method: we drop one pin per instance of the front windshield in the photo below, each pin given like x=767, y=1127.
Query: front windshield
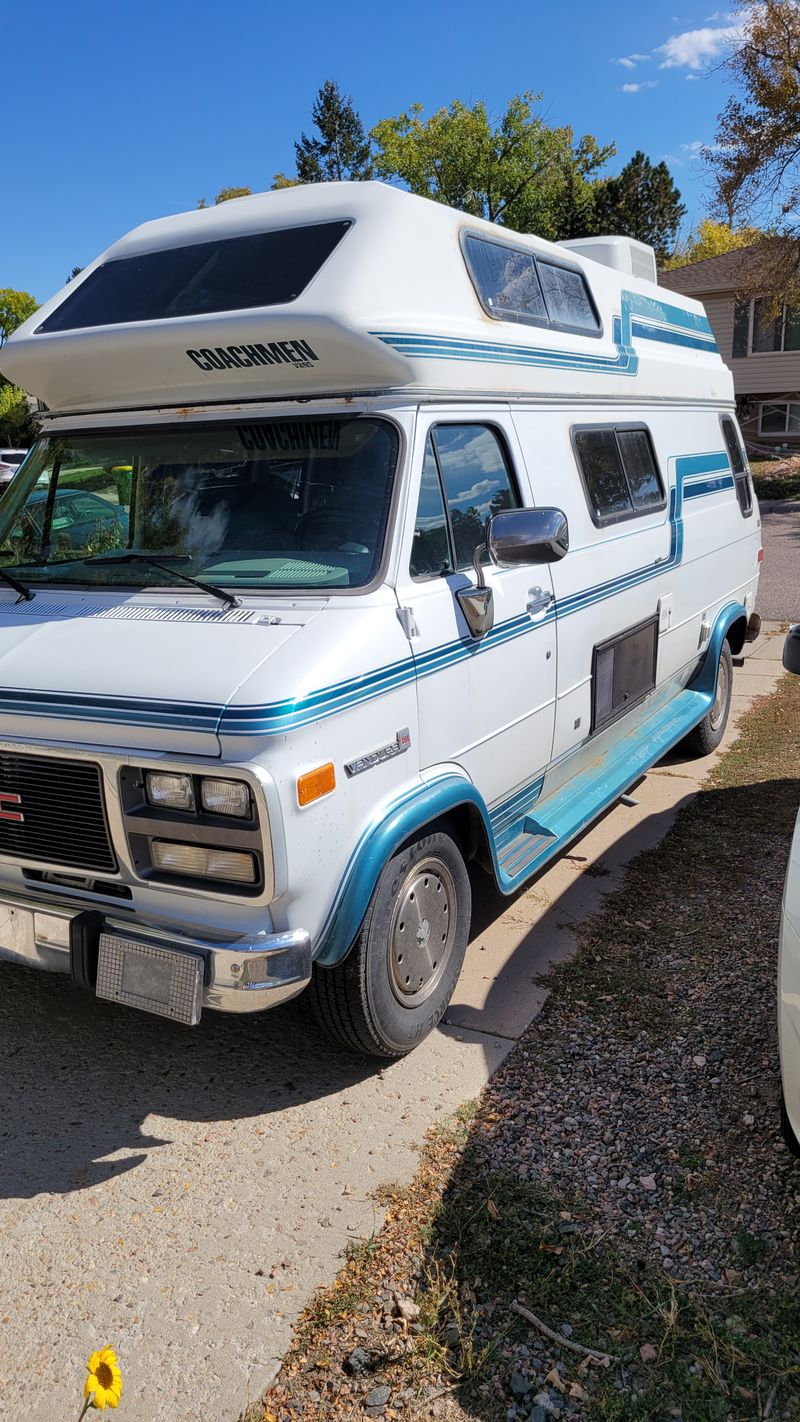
x=271, y=504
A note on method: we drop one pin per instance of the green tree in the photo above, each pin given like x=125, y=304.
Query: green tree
x=17, y=425
x=225, y=195
x=339, y=151
x=15, y=307
x=515, y=170
x=641, y=202
x=76, y=271
x=711, y=239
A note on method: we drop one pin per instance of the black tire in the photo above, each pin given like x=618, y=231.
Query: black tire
x=790, y=1139
x=392, y=989
x=706, y=737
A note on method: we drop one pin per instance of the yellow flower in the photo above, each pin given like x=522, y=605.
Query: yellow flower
x=104, y=1383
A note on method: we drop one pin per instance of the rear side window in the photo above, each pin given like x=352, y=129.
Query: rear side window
x=466, y=477
x=515, y=284
x=232, y=274
x=741, y=476
x=620, y=473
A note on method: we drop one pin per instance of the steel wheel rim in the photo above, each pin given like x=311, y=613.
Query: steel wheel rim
x=720, y=695
x=422, y=932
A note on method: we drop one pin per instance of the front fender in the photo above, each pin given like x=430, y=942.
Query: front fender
x=418, y=808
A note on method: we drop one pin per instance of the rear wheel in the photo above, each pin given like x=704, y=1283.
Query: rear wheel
x=399, y=976
x=706, y=737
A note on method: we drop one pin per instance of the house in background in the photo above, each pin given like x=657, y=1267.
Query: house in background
x=761, y=347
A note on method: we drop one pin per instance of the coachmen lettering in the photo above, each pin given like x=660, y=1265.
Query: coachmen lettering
x=297, y=353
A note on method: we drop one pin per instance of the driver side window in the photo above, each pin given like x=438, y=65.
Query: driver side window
x=466, y=477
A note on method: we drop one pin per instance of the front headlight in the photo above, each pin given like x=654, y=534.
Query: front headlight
x=170, y=792
x=225, y=797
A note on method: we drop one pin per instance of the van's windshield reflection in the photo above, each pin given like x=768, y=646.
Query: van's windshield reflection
x=275, y=504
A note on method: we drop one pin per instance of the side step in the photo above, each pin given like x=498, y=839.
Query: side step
x=527, y=844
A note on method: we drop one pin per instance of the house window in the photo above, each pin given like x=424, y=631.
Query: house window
x=620, y=473
x=759, y=328
x=779, y=417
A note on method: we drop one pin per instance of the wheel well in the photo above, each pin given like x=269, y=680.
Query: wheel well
x=736, y=634
x=465, y=824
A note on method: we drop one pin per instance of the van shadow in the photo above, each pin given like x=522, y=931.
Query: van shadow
x=79, y=1077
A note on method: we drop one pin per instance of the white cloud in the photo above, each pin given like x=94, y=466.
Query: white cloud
x=696, y=49
x=483, y=486
x=645, y=84
x=697, y=148
x=630, y=61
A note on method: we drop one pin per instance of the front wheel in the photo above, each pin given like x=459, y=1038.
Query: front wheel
x=395, y=983
x=706, y=737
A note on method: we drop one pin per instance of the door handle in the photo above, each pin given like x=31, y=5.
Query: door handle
x=538, y=601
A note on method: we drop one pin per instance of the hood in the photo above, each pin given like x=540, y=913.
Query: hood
x=132, y=669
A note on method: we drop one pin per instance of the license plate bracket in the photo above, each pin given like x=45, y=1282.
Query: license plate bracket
x=150, y=978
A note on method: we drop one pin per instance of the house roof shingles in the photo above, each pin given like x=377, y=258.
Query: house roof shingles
x=728, y=272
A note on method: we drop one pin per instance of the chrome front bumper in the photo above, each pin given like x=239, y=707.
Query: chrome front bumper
x=240, y=974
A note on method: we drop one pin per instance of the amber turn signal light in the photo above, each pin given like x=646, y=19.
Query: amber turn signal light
x=316, y=783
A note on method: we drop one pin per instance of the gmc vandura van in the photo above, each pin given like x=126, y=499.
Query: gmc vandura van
x=363, y=539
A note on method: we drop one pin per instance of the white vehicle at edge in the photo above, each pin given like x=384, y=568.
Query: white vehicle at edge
x=363, y=539
x=789, y=962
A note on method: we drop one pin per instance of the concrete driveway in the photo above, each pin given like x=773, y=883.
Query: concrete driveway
x=180, y=1194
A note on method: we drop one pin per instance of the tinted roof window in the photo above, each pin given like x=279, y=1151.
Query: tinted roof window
x=515, y=284
x=264, y=269
x=567, y=296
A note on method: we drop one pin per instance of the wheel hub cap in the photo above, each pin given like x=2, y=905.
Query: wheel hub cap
x=721, y=695
x=421, y=932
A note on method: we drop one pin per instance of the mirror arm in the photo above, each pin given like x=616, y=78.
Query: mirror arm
x=477, y=563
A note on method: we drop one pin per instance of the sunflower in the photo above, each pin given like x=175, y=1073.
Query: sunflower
x=104, y=1383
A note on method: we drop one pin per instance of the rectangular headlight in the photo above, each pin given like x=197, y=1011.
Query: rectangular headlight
x=226, y=797
x=169, y=792
x=201, y=862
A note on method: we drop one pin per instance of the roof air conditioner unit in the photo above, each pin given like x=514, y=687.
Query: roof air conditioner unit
x=624, y=254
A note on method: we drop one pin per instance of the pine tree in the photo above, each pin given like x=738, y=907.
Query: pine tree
x=642, y=202
x=342, y=151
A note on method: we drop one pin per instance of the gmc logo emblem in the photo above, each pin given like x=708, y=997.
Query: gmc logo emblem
x=7, y=798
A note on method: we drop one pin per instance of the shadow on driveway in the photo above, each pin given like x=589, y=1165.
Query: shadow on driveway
x=78, y=1077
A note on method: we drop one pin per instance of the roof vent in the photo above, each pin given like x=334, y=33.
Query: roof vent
x=624, y=254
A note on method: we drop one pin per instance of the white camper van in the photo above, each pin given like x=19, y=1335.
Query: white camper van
x=363, y=539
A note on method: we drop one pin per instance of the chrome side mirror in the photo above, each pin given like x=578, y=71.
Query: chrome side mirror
x=513, y=537
x=791, y=650
x=527, y=536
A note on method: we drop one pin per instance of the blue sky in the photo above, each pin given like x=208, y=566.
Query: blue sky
x=114, y=114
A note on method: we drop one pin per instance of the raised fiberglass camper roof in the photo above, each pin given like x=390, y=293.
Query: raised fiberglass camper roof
x=352, y=288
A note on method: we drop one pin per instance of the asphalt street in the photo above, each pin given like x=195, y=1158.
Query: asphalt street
x=779, y=590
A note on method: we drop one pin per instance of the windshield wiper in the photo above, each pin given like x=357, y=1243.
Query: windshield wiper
x=25, y=594
x=110, y=559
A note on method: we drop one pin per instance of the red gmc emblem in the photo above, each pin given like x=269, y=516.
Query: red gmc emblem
x=7, y=798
